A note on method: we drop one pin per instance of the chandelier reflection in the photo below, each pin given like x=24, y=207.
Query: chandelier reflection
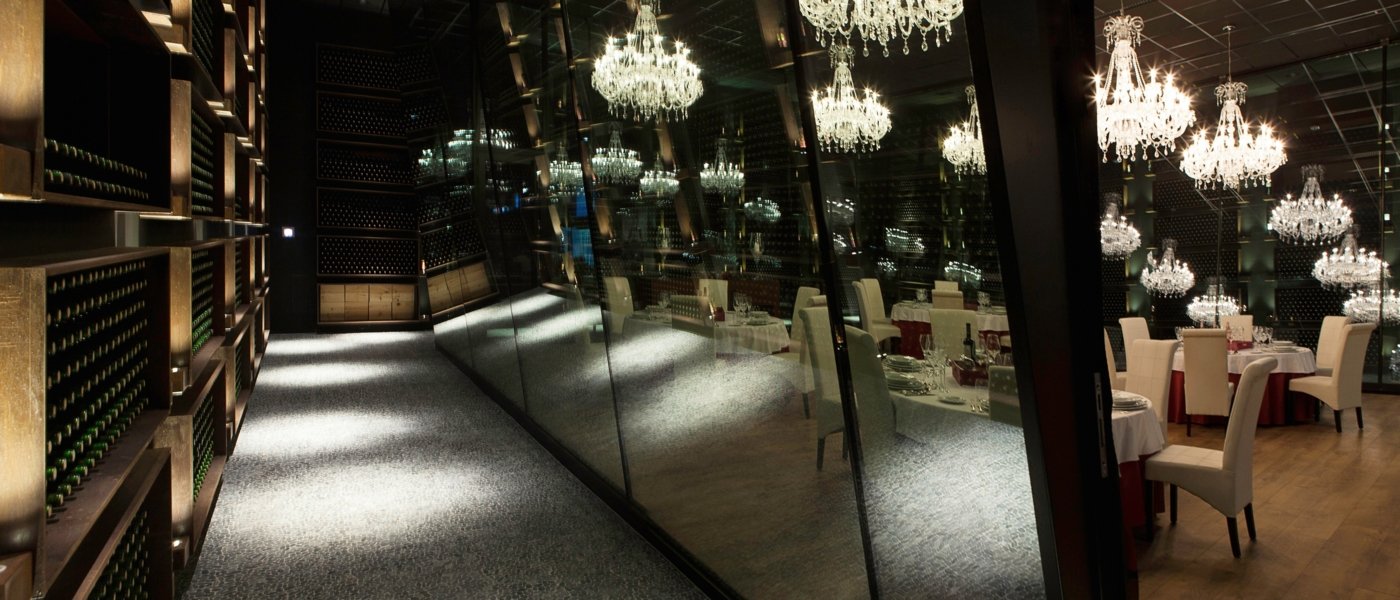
x=847, y=120
x=840, y=213
x=1350, y=267
x=1234, y=157
x=1168, y=277
x=565, y=173
x=722, y=176
x=659, y=182
x=903, y=242
x=1206, y=310
x=963, y=146
x=640, y=78
x=1139, y=117
x=1117, y=237
x=615, y=164
x=881, y=21
x=1312, y=218
x=763, y=210
x=1370, y=306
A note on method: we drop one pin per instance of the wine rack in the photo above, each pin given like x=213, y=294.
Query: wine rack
x=360, y=115
x=72, y=170
x=203, y=166
x=454, y=242
x=424, y=111
x=206, y=432
x=358, y=209
x=206, y=35
x=337, y=255
x=416, y=67
x=240, y=272
x=364, y=163
x=127, y=575
x=201, y=300
x=436, y=206
x=356, y=68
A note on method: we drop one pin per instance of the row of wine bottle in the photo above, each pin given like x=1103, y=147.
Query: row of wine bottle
x=95, y=350
x=77, y=447
x=205, y=28
x=204, y=436
x=59, y=152
x=201, y=166
x=127, y=574
x=201, y=300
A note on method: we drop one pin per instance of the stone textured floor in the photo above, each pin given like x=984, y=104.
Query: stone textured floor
x=370, y=467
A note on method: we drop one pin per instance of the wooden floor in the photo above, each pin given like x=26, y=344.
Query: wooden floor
x=1325, y=505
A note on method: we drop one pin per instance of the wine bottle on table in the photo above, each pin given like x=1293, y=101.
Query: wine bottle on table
x=969, y=347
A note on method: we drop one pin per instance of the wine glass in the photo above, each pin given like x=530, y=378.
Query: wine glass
x=921, y=295
x=741, y=303
x=665, y=300
x=992, y=345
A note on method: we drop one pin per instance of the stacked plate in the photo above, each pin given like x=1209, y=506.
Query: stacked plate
x=900, y=382
x=1128, y=401
x=907, y=364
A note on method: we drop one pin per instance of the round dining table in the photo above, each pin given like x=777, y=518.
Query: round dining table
x=912, y=319
x=1277, y=408
x=1136, y=436
x=764, y=336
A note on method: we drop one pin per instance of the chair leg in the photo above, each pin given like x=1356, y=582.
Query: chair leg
x=1359, y=424
x=1249, y=520
x=1234, y=535
x=806, y=409
x=1173, y=504
x=1148, y=520
x=821, y=450
x=1337, y=418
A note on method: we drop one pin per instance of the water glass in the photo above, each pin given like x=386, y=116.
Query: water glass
x=921, y=295
x=665, y=300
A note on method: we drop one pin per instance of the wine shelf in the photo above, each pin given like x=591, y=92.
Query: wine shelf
x=366, y=256
x=363, y=163
x=451, y=243
x=359, y=115
x=366, y=210
x=196, y=435
x=356, y=68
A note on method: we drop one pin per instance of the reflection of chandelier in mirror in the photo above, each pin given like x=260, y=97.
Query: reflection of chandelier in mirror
x=1350, y=267
x=1207, y=310
x=1117, y=237
x=840, y=213
x=1234, y=157
x=1312, y=218
x=901, y=241
x=658, y=181
x=1138, y=117
x=1370, y=306
x=848, y=121
x=963, y=272
x=640, y=78
x=963, y=146
x=841, y=245
x=763, y=210
x=881, y=21
x=1169, y=277
x=722, y=176
x=615, y=164
x=565, y=173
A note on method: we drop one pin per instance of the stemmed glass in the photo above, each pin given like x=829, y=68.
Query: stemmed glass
x=992, y=345
x=1263, y=336
x=921, y=295
x=741, y=303
x=933, y=357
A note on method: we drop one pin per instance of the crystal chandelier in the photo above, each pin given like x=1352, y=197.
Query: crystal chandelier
x=1350, y=267
x=1370, y=306
x=616, y=165
x=1234, y=157
x=763, y=210
x=1169, y=277
x=1138, y=117
x=640, y=78
x=659, y=182
x=848, y=121
x=1208, y=309
x=565, y=173
x=963, y=146
x=881, y=21
x=1311, y=219
x=1117, y=237
x=722, y=177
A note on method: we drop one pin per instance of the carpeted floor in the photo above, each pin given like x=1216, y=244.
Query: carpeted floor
x=370, y=467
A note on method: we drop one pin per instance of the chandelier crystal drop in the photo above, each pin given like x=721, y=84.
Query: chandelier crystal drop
x=565, y=173
x=882, y=21
x=1168, y=277
x=1139, y=117
x=1117, y=237
x=1208, y=309
x=657, y=181
x=722, y=176
x=1350, y=267
x=641, y=78
x=963, y=146
x=847, y=120
x=615, y=164
x=1311, y=218
x=1370, y=306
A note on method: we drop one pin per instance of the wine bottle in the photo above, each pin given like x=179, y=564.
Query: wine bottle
x=969, y=347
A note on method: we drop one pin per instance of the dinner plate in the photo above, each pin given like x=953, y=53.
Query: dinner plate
x=1130, y=408
x=900, y=361
x=899, y=381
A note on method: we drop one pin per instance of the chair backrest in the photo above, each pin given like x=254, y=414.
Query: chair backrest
x=943, y=284
x=822, y=360
x=1241, y=326
x=619, y=293
x=803, y=299
x=716, y=290
x=798, y=334
x=949, y=299
x=1134, y=329
x=1150, y=373
x=1346, y=376
x=1108, y=353
x=874, y=408
x=1207, y=372
x=1239, y=434
x=1329, y=341
x=949, y=327
x=875, y=299
x=861, y=308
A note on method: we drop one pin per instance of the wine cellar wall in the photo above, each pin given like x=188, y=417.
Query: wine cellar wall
x=134, y=135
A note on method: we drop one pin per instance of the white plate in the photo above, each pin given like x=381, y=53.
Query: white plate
x=952, y=400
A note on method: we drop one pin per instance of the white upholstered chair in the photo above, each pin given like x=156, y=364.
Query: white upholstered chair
x=874, y=408
x=803, y=298
x=826, y=396
x=1241, y=326
x=873, y=318
x=949, y=299
x=1150, y=374
x=717, y=290
x=1342, y=389
x=949, y=329
x=798, y=368
x=945, y=285
x=619, y=294
x=1329, y=343
x=1208, y=388
x=1225, y=480
x=1116, y=378
x=1134, y=329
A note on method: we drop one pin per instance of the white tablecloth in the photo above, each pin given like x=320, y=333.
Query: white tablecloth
x=1300, y=361
x=1136, y=433
x=914, y=311
x=732, y=338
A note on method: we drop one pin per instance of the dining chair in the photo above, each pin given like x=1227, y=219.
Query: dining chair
x=1134, y=329
x=803, y=299
x=619, y=294
x=1241, y=325
x=826, y=396
x=1207, y=388
x=1342, y=389
x=872, y=310
x=949, y=328
x=1329, y=343
x=1223, y=479
x=874, y=407
x=1116, y=379
x=798, y=368
x=950, y=299
x=716, y=290
x=945, y=285
x=1150, y=374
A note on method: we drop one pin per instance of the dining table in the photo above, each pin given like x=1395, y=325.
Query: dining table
x=912, y=318
x=762, y=334
x=1293, y=362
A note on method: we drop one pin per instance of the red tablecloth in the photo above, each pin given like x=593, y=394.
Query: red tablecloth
x=1275, y=411
x=909, y=332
